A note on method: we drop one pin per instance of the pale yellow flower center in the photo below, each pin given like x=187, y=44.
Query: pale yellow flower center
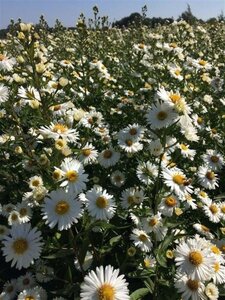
x=195, y=258
x=106, y=292
x=177, y=72
x=184, y=147
x=214, y=209
x=72, y=175
x=173, y=45
x=175, y=98
x=60, y=128
x=107, y=154
x=210, y=175
x=179, y=179
x=202, y=194
x=101, y=202
x=170, y=201
x=86, y=152
x=142, y=237
x=29, y=298
x=62, y=207
x=147, y=263
x=20, y=246
x=35, y=182
x=193, y=284
x=162, y=115
x=199, y=120
x=57, y=174
x=130, y=199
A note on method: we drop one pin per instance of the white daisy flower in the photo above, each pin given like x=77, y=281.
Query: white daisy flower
x=108, y=158
x=168, y=205
x=35, y=182
x=195, y=258
x=7, y=209
x=104, y=283
x=207, y=178
x=161, y=115
x=59, y=131
x=4, y=93
x=131, y=196
x=133, y=132
x=6, y=63
x=14, y=218
x=25, y=282
x=189, y=287
x=29, y=94
x=149, y=261
x=130, y=145
x=213, y=159
x=155, y=147
x=186, y=151
x=203, y=230
x=34, y=293
x=88, y=154
x=100, y=204
x=91, y=119
x=60, y=208
x=212, y=211
x=147, y=172
x=141, y=240
x=176, y=180
x=154, y=224
x=25, y=212
x=218, y=275
x=117, y=178
x=9, y=290
x=22, y=246
x=73, y=175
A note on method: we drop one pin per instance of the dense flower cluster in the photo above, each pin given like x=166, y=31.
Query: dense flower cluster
x=112, y=150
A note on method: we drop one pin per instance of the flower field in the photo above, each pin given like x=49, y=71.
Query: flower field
x=112, y=155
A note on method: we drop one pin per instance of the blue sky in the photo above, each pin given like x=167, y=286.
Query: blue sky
x=67, y=11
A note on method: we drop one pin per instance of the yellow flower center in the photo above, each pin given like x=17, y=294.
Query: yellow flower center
x=143, y=238
x=199, y=120
x=179, y=179
x=20, y=246
x=29, y=298
x=175, y=98
x=214, y=209
x=162, y=115
x=195, y=258
x=86, y=152
x=62, y=207
x=193, y=284
x=153, y=222
x=170, y=201
x=203, y=194
x=214, y=158
x=210, y=175
x=72, y=175
x=101, y=202
x=184, y=147
x=202, y=62
x=129, y=143
x=106, y=292
x=141, y=46
x=173, y=45
x=214, y=131
x=2, y=57
x=215, y=250
x=35, y=182
x=177, y=72
x=133, y=131
x=107, y=154
x=60, y=128
x=57, y=107
x=216, y=267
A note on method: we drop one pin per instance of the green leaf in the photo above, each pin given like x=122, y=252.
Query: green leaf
x=139, y=294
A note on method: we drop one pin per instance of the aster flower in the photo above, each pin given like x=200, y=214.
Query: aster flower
x=207, y=178
x=212, y=211
x=168, y=205
x=154, y=224
x=6, y=62
x=129, y=145
x=141, y=240
x=22, y=245
x=4, y=93
x=147, y=172
x=195, y=258
x=213, y=159
x=161, y=115
x=25, y=282
x=60, y=208
x=72, y=174
x=88, y=154
x=104, y=283
x=117, y=178
x=108, y=158
x=100, y=204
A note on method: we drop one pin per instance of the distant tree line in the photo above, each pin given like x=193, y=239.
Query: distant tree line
x=134, y=19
